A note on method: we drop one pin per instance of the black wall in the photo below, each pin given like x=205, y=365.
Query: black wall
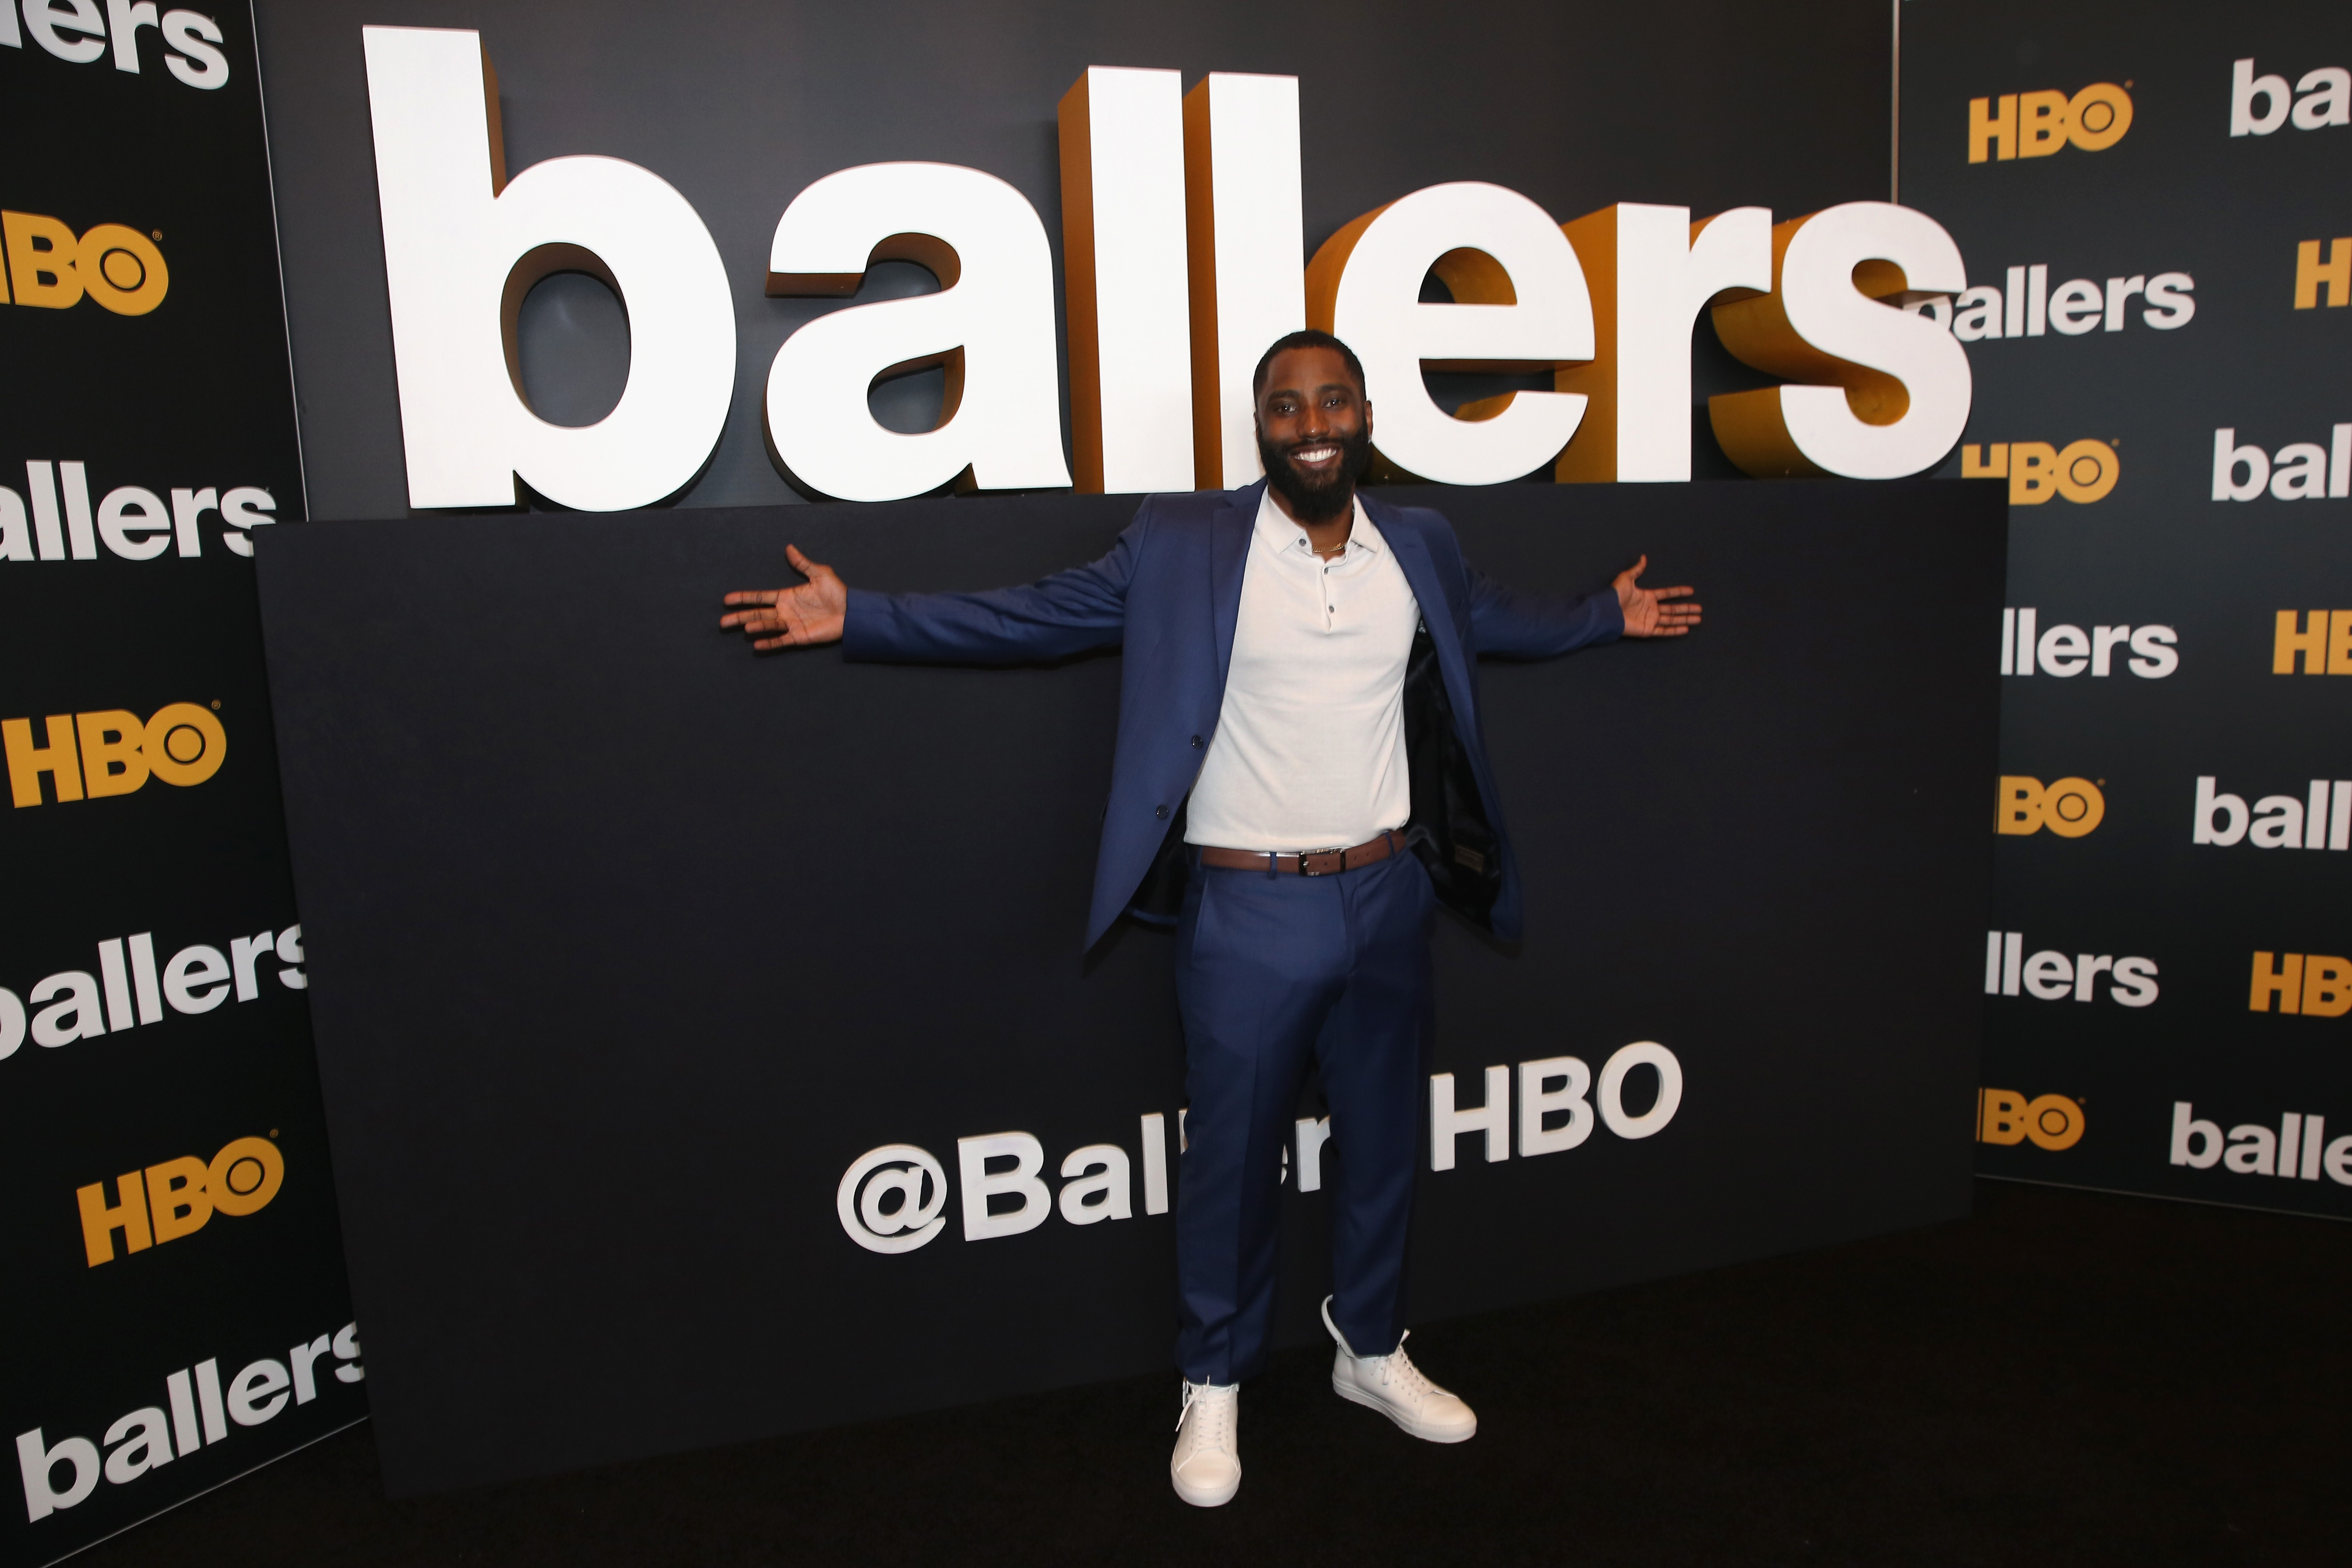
x=633, y=943
x=2177, y=193
x=190, y=395
x=628, y=943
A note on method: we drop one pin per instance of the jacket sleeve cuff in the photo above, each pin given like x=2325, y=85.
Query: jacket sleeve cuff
x=865, y=625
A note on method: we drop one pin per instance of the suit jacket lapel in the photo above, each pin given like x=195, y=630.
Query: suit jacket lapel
x=1229, y=540
x=1421, y=575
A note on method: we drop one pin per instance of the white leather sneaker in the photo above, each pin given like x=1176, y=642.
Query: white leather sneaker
x=1393, y=1385
x=1207, y=1464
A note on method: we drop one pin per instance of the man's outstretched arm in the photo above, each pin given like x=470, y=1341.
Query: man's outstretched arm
x=1067, y=612
x=1534, y=625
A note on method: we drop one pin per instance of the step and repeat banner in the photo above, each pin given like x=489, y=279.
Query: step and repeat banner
x=2130, y=276
x=2155, y=207
x=176, y=1312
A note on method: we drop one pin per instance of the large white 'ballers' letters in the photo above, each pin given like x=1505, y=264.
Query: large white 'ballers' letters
x=463, y=245
x=1521, y=303
x=1652, y=271
x=990, y=325
x=1123, y=252
x=1244, y=227
x=1888, y=390
x=1182, y=222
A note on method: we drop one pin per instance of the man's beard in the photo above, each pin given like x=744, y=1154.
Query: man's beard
x=1311, y=500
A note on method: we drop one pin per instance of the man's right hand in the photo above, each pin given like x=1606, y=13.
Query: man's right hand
x=793, y=617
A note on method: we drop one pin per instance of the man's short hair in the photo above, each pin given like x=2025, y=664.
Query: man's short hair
x=1307, y=337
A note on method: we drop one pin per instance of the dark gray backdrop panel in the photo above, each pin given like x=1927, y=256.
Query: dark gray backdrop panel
x=2177, y=193
x=192, y=394
x=741, y=107
x=627, y=942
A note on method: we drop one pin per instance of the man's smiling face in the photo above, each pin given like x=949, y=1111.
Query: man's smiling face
x=1314, y=432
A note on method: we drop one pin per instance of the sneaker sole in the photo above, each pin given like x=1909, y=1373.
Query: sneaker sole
x=1356, y=1396
x=1204, y=1497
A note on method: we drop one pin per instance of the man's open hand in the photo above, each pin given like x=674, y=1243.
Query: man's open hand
x=797, y=617
x=1647, y=611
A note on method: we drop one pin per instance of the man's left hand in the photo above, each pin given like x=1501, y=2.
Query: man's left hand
x=1648, y=611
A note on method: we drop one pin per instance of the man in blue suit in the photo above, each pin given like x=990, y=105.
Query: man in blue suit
x=1300, y=780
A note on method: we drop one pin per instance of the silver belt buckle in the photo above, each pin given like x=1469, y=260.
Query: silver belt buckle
x=1338, y=849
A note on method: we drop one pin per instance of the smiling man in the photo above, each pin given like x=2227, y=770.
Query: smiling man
x=1300, y=781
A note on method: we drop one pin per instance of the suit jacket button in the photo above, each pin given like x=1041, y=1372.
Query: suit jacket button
x=1160, y=812
x=1196, y=742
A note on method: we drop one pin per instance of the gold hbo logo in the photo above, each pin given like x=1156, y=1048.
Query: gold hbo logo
x=2037, y=125
x=2051, y=1122
x=178, y=1197
x=2084, y=471
x=2320, y=644
x=49, y=267
x=92, y=755
x=2311, y=274
x=2311, y=984
x=2069, y=807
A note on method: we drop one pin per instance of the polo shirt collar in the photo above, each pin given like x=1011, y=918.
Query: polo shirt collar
x=1276, y=529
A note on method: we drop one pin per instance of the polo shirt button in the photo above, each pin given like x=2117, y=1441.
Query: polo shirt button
x=1160, y=812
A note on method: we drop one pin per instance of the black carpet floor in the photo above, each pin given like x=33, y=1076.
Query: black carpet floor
x=2067, y=1378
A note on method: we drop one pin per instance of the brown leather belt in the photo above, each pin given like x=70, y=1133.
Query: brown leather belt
x=1311, y=863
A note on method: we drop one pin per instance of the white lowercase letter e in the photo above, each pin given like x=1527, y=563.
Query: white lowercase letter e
x=1519, y=303
x=463, y=245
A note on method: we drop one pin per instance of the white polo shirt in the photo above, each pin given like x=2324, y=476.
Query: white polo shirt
x=1309, y=749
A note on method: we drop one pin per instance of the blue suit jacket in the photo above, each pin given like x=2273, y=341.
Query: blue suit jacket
x=1170, y=590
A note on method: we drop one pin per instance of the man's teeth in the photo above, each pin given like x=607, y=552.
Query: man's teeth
x=1314, y=454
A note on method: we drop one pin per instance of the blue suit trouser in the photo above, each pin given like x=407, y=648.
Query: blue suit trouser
x=1271, y=969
